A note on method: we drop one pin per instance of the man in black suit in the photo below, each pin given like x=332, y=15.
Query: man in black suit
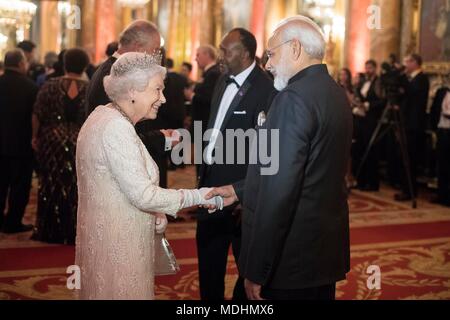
x=170, y=116
x=139, y=36
x=413, y=109
x=201, y=101
x=295, y=224
x=34, y=67
x=240, y=96
x=440, y=122
x=367, y=116
x=17, y=96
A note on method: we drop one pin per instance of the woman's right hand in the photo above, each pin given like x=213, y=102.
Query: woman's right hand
x=227, y=193
x=197, y=197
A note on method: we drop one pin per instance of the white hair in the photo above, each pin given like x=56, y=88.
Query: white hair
x=306, y=31
x=132, y=71
x=210, y=50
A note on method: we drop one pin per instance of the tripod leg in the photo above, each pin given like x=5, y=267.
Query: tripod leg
x=372, y=141
x=401, y=137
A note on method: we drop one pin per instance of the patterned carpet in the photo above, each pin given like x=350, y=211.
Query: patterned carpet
x=411, y=247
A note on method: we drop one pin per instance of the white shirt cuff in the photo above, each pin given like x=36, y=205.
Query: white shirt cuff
x=168, y=144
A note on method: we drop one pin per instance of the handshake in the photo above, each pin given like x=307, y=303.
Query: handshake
x=224, y=196
x=212, y=199
x=212, y=203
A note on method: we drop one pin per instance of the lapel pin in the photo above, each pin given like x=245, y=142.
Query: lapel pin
x=261, y=118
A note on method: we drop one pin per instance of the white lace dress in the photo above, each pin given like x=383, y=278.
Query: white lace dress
x=117, y=190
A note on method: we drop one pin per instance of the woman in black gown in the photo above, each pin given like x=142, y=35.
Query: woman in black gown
x=57, y=118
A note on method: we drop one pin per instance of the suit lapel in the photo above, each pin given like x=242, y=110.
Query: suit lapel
x=215, y=103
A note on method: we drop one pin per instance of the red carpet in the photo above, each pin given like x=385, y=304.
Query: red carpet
x=411, y=247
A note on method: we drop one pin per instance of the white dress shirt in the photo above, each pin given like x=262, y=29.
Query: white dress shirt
x=414, y=74
x=444, y=122
x=116, y=55
x=227, y=98
x=365, y=88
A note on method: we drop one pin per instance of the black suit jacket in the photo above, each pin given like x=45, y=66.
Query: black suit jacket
x=95, y=92
x=17, y=96
x=252, y=98
x=377, y=102
x=414, y=105
x=295, y=224
x=436, y=107
x=153, y=140
x=171, y=114
x=201, y=103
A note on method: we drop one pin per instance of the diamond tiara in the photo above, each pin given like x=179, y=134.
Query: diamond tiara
x=138, y=61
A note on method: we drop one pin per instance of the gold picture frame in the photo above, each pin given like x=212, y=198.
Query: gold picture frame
x=427, y=42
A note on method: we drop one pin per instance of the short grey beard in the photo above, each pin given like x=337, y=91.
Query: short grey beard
x=281, y=82
x=282, y=77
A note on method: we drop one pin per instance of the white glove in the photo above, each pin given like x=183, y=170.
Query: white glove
x=197, y=197
x=216, y=201
x=160, y=223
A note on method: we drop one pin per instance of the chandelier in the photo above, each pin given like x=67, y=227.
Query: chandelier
x=133, y=3
x=323, y=11
x=17, y=8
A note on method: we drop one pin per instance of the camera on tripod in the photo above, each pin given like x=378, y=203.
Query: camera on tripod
x=392, y=84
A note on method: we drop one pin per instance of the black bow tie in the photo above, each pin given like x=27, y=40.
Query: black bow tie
x=231, y=80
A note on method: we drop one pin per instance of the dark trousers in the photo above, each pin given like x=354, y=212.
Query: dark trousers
x=214, y=236
x=162, y=163
x=443, y=160
x=413, y=145
x=317, y=293
x=15, y=185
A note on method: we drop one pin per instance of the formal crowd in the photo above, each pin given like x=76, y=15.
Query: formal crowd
x=395, y=125
x=44, y=106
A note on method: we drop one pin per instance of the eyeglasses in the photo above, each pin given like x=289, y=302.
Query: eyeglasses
x=270, y=52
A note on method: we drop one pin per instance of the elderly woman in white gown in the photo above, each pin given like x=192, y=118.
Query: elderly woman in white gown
x=119, y=198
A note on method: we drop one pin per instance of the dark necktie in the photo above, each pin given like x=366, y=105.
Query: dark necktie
x=231, y=80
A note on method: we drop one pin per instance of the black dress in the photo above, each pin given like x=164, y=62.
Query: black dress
x=60, y=118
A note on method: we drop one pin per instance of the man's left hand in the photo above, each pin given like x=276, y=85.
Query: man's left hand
x=253, y=290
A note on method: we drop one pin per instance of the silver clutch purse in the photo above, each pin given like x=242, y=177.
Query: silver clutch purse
x=165, y=261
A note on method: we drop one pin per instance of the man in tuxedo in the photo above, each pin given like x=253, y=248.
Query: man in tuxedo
x=413, y=109
x=367, y=116
x=240, y=96
x=295, y=224
x=139, y=36
x=17, y=96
